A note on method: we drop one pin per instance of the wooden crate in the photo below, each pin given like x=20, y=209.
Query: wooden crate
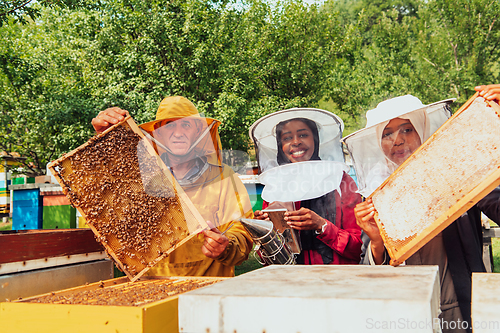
x=128, y=197
x=448, y=174
x=37, y=261
x=28, y=315
x=29, y=245
x=57, y=211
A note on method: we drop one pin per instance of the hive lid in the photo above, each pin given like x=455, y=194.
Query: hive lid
x=346, y=297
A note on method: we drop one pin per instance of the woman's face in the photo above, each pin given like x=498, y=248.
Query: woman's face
x=399, y=140
x=297, y=141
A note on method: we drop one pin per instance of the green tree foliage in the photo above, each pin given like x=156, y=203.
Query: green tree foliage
x=458, y=46
x=236, y=60
x=442, y=50
x=44, y=107
x=20, y=10
x=279, y=58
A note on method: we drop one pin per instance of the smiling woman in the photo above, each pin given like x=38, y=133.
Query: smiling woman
x=399, y=140
x=325, y=222
x=394, y=130
x=296, y=141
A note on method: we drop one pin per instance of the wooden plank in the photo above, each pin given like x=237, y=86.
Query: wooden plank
x=492, y=232
x=50, y=279
x=41, y=244
x=90, y=286
x=162, y=317
x=28, y=265
x=55, y=200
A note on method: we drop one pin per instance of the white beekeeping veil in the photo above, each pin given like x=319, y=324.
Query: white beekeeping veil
x=285, y=181
x=371, y=165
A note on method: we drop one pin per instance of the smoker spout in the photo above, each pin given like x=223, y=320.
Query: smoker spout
x=257, y=228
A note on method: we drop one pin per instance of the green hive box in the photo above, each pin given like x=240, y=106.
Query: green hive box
x=57, y=212
x=23, y=180
x=17, y=181
x=59, y=217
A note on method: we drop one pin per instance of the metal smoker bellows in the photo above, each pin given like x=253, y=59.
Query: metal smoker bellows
x=270, y=243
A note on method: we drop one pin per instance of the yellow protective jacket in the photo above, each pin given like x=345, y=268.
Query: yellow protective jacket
x=220, y=197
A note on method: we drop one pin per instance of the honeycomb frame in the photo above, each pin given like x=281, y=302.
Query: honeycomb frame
x=397, y=196
x=102, y=179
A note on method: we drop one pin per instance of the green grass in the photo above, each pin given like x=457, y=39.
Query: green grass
x=495, y=244
x=6, y=226
x=248, y=265
x=117, y=272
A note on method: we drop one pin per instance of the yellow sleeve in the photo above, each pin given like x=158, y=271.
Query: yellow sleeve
x=240, y=242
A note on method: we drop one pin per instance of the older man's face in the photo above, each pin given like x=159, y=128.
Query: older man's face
x=179, y=135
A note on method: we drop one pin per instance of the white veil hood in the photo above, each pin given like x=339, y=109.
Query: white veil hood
x=364, y=148
x=301, y=180
x=330, y=127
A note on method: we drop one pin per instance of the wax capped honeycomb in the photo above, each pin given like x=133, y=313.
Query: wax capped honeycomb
x=456, y=167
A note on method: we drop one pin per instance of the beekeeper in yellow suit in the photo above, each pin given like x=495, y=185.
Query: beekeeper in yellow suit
x=189, y=145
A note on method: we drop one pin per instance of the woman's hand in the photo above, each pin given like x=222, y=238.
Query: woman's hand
x=108, y=118
x=364, y=213
x=260, y=215
x=490, y=92
x=304, y=219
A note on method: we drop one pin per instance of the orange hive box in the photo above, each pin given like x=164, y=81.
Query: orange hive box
x=454, y=169
x=129, y=198
x=148, y=305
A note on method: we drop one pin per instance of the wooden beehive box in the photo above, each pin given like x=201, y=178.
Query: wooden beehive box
x=330, y=298
x=129, y=198
x=148, y=305
x=485, y=302
x=454, y=169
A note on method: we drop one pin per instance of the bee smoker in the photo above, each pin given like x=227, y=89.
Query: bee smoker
x=271, y=245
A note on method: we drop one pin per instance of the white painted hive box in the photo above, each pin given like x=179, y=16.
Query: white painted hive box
x=318, y=298
x=485, y=310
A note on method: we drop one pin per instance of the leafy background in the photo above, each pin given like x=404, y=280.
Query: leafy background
x=62, y=61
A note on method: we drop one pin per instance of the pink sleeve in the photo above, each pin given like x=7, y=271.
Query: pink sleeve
x=264, y=204
x=344, y=237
